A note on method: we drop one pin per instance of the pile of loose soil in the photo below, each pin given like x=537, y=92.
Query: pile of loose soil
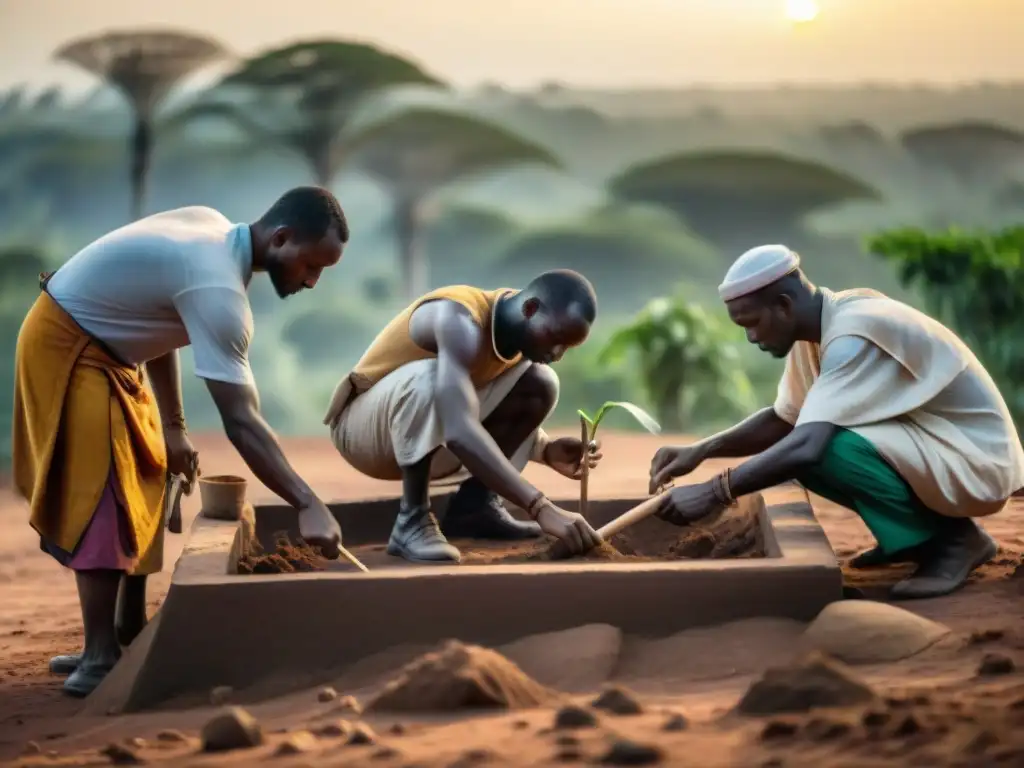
x=815, y=682
x=286, y=557
x=459, y=677
x=734, y=533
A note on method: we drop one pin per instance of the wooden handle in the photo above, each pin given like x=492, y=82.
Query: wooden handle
x=631, y=517
x=352, y=559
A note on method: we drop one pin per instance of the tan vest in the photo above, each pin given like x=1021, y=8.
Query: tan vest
x=394, y=346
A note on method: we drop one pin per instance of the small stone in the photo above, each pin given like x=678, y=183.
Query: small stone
x=136, y=742
x=362, y=734
x=121, y=755
x=232, y=729
x=567, y=740
x=170, y=736
x=626, y=752
x=334, y=730
x=32, y=748
x=574, y=716
x=778, y=729
x=617, y=701
x=397, y=729
x=473, y=757
x=520, y=725
x=996, y=664
x=326, y=694
x=986, y=636
x=813, y=683
x=675, y=722
x=908, y=725
x=349, y=704
x=221, y=695
x=298, y=743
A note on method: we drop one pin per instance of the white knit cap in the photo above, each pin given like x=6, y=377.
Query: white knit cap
x=757, y=268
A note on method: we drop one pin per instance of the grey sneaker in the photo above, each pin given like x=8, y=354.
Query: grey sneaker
x=417, y=538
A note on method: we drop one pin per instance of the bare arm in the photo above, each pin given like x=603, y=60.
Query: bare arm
x=458, y=341
x=753, y=435
x=165, y=378
x=782, y=462
x=256, y=443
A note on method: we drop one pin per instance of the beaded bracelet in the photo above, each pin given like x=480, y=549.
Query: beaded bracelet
x=533, y=510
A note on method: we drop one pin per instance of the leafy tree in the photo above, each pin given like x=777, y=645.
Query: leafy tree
x=740, y=198
x=144, y=66
x=302, y=97
x=973, y=282
x=687, y=360
x=418, y=151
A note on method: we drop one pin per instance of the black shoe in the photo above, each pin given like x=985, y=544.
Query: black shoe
x=417, y=538
x=877, y=557
x=951, y=556
x=64, y=665
x=476, y=513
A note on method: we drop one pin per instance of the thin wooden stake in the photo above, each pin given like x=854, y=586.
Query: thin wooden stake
x=584, y=464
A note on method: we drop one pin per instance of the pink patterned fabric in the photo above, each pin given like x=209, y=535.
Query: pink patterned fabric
x=108, y=542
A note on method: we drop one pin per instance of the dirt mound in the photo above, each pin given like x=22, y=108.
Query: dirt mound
x=869, y=632
x=286, y=557
x=459, y=677
x=817, y=681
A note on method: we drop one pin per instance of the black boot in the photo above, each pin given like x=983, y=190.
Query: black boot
x=476, y=513
x=877, y=557
x=417, y=538
x=959, y=548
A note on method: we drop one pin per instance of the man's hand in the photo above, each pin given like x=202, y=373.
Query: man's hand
x=672, y=462
x=180, y=453
x=689, y=504
x=319, y=528
x=568, y=527
x=563, y=456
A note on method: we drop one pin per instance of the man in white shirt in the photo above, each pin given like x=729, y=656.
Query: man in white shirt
x=91, y=448
x=881, y=409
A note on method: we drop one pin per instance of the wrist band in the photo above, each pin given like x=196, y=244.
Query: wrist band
x=721, y=485
x=174, y=421
x=533, y=510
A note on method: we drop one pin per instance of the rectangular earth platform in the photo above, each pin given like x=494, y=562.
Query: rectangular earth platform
x=218, y=627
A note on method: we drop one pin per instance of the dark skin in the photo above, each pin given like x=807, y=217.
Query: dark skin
x=774, y=319
x=293, y=266
x=523, y=325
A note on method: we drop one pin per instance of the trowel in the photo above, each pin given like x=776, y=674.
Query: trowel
x=178, y=485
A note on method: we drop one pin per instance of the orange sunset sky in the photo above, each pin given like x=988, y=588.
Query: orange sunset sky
x=612, y=43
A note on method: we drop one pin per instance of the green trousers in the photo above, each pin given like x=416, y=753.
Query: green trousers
x=854, y=475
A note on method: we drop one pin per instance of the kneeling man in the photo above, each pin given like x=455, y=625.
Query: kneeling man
x=881, y=409
x=461, y=379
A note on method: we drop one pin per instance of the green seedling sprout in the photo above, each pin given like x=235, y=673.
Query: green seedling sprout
x=588, y=434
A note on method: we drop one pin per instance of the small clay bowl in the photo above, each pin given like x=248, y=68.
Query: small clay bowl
x=222, y=496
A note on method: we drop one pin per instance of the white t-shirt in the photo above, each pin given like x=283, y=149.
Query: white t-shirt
x=167, y=281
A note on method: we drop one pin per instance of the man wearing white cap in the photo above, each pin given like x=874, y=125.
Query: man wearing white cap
x=880, y=409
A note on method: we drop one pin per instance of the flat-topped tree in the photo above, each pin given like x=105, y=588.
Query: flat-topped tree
x=303, y=96
x=739, y=198
x=973, y=151
x=416, y=152
x=144, y=65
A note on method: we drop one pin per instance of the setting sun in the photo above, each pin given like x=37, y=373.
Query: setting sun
x=801, y=11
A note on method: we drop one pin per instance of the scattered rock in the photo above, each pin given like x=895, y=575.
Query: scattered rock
x=349, y=704
x=119, y=754
x=170, y=736
x=996, y=664
x=298, y=743
x=334, y=730
x=32, y=748
x=575, y=716
x=397, y=729
x=457, y=677
x=869, y=632
x=815, y=682
x=627, y=752
x=778, y=729
x=986, y=636
x=908, y=725
x=520, y=725
x=233, y=729
x=675, y=722
x=617, y=701
x=136, y=742
x=362, y=734
x=221, y=695
x=326, y=694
